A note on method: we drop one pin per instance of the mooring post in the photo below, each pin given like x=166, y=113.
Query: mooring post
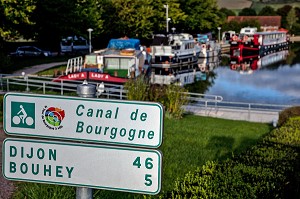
x=88, y=91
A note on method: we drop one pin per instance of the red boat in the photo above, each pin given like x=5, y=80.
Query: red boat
x=250, y=44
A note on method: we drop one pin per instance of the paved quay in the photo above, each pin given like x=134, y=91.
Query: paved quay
x=235, y=114
x=37, y=68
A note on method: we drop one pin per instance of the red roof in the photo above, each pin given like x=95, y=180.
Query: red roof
x=263, y=20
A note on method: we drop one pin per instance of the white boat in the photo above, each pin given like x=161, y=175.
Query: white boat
x=120, y=61
x=173, y=50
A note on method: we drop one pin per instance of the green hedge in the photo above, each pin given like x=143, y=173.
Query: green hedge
x=271, y=169
x=288, y=113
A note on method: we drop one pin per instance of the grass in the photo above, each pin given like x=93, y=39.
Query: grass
x=52, y=71
x=187, y=144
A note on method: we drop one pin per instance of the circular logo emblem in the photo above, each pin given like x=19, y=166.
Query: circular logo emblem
x=53, y=117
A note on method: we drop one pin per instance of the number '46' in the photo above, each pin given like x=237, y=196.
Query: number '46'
x=148, y=163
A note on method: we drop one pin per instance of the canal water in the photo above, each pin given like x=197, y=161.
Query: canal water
x=274, y=79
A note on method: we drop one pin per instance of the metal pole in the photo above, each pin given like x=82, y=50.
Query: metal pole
x=88, y=91
x=90, y=39
x=90, y=42
x=167, y=17
x=219, y=28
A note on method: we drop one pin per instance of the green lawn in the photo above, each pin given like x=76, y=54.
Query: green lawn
x=187, y=144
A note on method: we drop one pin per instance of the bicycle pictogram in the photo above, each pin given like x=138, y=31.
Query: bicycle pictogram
x=22, y=117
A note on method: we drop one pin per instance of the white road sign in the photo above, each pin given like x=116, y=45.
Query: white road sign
x=103, y=167
x=119, y=122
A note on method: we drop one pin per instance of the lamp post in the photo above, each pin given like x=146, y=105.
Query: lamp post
x=167, y=17
x=219, y=28
x=90, y=39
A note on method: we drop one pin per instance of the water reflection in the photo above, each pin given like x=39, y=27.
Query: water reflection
x=247, y=66
x=274, y=79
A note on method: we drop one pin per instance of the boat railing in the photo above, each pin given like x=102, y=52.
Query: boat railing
x=198, y=98
x=74, y=65
x=196, y=101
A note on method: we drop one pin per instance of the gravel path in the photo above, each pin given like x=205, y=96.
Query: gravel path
x=6, y=187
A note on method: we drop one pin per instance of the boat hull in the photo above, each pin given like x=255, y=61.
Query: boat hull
x=91, y=76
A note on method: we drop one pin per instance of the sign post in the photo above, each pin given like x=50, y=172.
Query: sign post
x=114, y=168
x=117, y=122
x=121, y=125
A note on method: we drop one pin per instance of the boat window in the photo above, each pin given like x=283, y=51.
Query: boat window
x=119, y=63
x=177, y=47
x=112, y=63
x=90, y=59
x=236, y=52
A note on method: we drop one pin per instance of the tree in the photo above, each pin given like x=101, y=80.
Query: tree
x=247, y=12
x=203, y=15
x=15, y=18
x=267, y=11
x=14, y=21
x=283, y=11
x=133, y=18
x=291, y=18
x=227, y=12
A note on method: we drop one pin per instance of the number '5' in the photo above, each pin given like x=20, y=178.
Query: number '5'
x=148, y=180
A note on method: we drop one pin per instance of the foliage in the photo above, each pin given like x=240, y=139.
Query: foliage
x=267, y=170
x=176, y=98
x=227, y=12
x=43, y=191
x=137, y=89
x=171, y=96
x=291, y=18
x=15, y=18
x=288, y=113
x=267, y=11
x=283, y=11
x=247, y=12
x=210, y=17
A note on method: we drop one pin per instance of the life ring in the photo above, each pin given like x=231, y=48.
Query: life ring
x=233, y=67
x=202, y=69
x=127, y=52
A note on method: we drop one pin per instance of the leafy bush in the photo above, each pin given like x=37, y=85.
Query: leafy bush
x=271, y=169
x=137, y=89
x=171, y=96
x=288, y=113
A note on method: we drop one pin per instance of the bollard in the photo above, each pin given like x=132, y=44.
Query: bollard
x=274, y=122
x=88, y=91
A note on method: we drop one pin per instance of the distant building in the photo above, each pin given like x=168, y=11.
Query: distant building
x=267, y=23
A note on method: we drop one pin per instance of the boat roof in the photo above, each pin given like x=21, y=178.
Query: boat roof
x=110, y=52
x=270, y=32
x=120, y=44
x=161, y=39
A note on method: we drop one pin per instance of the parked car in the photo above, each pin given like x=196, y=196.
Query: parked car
x=30, y=51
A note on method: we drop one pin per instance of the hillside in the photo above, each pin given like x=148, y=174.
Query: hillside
x=234, y=4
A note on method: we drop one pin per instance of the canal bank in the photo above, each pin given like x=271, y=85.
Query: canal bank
x=261, y=116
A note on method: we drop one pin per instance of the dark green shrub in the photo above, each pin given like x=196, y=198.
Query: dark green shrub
x=287, y=113
x=270, y=169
